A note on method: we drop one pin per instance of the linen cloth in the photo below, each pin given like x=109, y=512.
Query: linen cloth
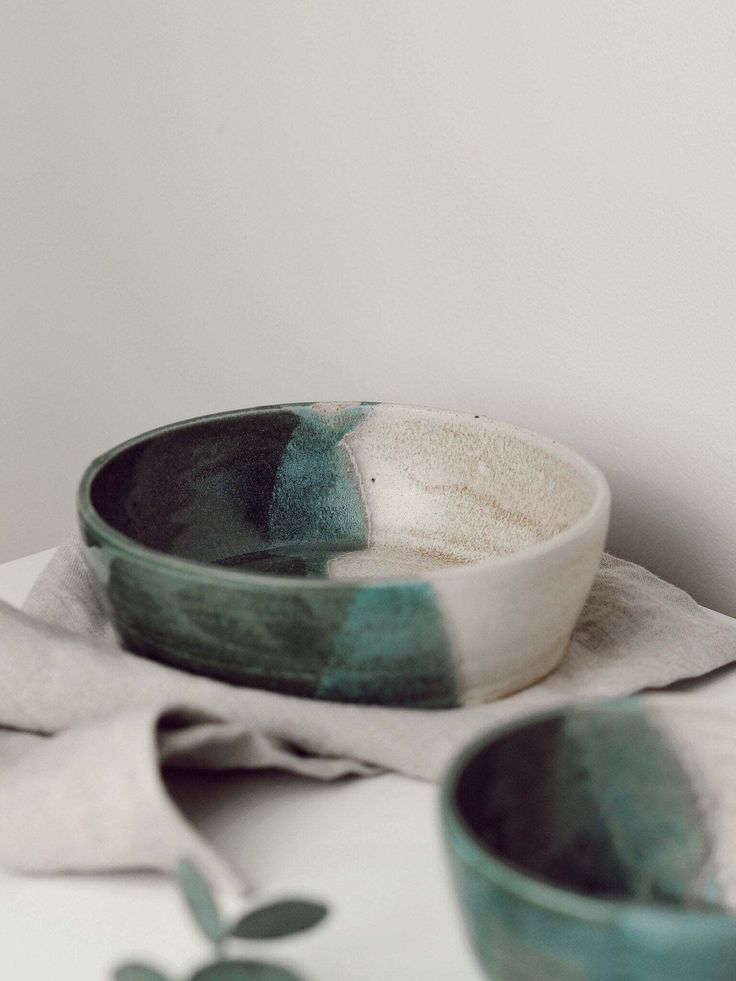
x=87, y=727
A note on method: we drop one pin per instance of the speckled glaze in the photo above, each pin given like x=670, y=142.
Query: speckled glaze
x=581, y=851
x=355, y=551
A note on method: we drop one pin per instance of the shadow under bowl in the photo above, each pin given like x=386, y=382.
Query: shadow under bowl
x=581, y=850
x=348, y=551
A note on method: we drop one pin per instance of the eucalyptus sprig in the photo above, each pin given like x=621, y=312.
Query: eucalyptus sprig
x=269, y=922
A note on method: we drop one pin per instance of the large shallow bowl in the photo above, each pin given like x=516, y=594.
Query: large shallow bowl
x=596, y=844
x=357, y=552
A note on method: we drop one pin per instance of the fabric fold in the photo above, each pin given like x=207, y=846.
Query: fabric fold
x=89, y=726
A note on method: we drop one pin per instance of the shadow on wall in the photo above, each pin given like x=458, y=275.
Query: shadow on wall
x=671, y=537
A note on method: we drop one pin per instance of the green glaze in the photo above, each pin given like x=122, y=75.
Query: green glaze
x=365, y=653
x=578, y=853
x=300, y=641
x=174, y=521
x=314, y=498
x=629, y=786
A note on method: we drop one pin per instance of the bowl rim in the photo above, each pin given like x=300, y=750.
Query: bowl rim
x=544, y=894
x=90, y=518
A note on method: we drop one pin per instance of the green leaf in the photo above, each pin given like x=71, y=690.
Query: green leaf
x=138, y=972
x=279, y=920
x=199, y=900
x=244, y=971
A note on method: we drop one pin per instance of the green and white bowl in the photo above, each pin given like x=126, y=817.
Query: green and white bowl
x=595, y=843
x=354, y=551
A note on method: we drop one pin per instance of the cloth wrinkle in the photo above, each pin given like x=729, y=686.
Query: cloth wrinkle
x=86, y=728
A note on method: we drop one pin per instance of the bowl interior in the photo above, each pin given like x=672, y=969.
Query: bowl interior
x=594, y=800
x=341, y=490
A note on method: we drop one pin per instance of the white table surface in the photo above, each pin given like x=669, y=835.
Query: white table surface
x=370, y=848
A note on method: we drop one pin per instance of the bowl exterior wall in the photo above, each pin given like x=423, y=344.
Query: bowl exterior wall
x=515, y=939
x=470, y=635
x=383, y=644
x=509, y=623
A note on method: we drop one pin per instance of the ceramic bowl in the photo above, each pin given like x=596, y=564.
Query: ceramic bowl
x=355, y=552
x=583, y=845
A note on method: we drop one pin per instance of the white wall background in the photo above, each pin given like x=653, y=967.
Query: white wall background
x=513, y=207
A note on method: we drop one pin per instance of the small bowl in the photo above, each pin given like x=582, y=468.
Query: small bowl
x=348, y=551
x=581, y=849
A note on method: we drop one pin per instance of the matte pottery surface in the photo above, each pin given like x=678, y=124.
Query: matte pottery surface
x=359, y=552
x=333, y=560
x=582, y=850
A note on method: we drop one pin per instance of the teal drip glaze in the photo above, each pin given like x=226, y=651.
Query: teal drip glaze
x=518, y=941
x=382, y=624
x=638, y=801
x=712, y=892
x=609, y=795
x=316, y=497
